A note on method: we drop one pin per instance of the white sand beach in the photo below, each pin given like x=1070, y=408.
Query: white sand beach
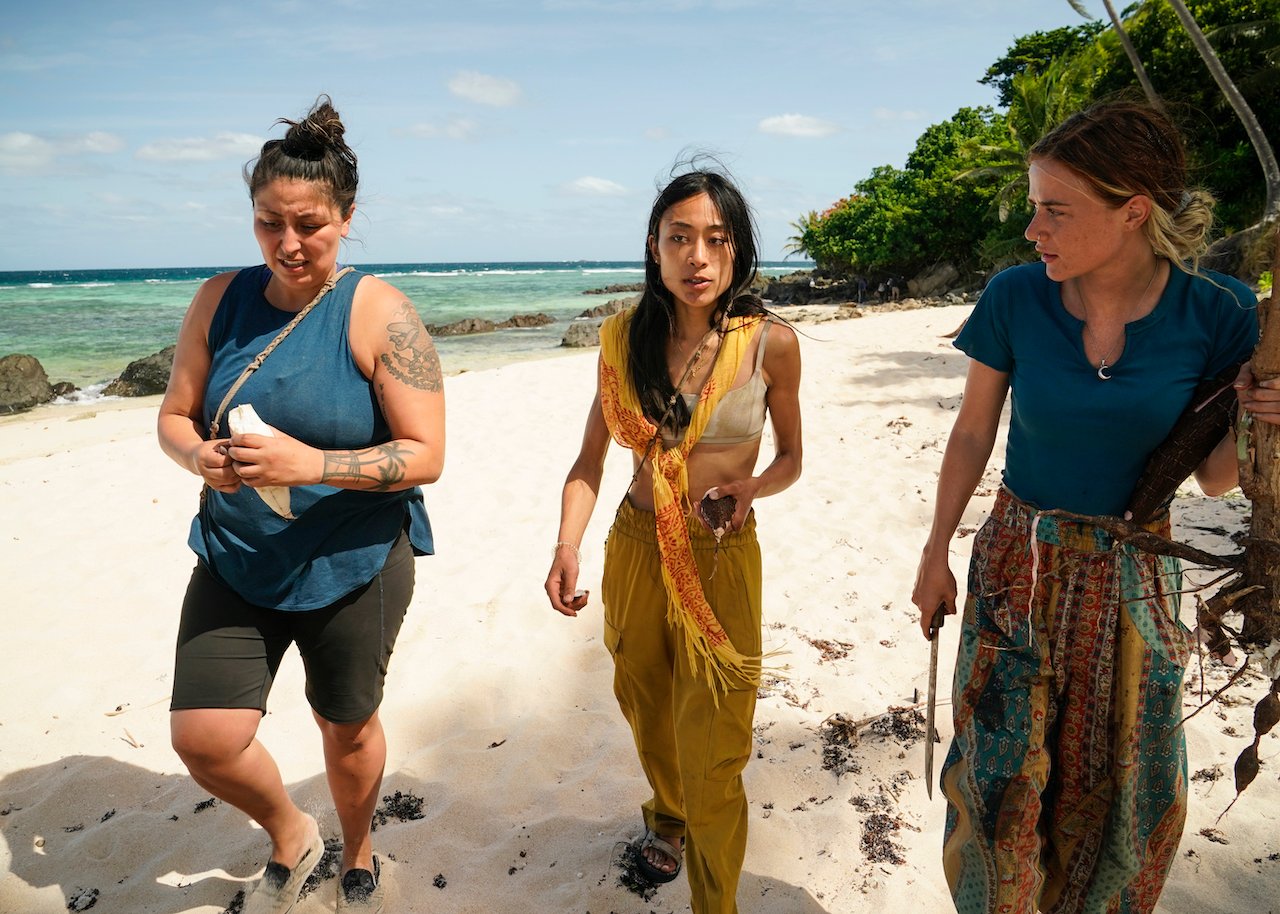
x=499, y=712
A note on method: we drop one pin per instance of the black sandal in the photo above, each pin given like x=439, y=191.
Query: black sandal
x=650, y=872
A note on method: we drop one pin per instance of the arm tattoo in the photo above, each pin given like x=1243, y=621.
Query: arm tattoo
x=414, y=360
x=377, y=468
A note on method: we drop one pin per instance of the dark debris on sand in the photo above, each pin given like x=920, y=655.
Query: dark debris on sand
x=829, y=648
x=838, y=745
x=629, y=875
x=1212, y=774
x=840, y=735
x=206, y=804
x=328, y=867
x=439, y=882
x=403, y=807
x=237, y=904
x=903, y=724
x=877, y=839
x=82, y=899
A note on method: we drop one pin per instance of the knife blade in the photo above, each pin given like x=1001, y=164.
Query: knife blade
x=930, y=734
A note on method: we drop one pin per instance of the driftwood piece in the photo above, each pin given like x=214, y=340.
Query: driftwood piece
x=1203, y=424
x=1128, y=533
x=1257, y=593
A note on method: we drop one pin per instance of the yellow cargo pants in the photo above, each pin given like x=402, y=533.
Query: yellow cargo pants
x=693, y=745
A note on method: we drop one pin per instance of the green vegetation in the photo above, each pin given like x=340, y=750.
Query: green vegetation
x=961, y=194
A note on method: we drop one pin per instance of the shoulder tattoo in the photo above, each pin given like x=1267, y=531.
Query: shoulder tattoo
x=412, y=357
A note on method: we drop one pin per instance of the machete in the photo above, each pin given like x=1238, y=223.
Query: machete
x=930, y=734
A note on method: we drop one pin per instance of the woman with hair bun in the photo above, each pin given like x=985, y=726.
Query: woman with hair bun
x=309, y=400
x=685, y=381
x=1066, y=782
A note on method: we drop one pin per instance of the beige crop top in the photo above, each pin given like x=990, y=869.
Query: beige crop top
x=739, y=416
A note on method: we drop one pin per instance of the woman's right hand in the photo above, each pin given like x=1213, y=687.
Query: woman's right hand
x=212, y=463
x=935, y=590
x=562, y=583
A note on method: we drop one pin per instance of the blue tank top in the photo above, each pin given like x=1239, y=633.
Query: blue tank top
x=312, y=389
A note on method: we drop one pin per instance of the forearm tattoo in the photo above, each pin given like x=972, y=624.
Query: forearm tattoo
x=414, y=360
x=376, y=469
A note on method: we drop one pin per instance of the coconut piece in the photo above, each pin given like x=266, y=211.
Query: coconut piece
x=717, y=512
x=244, y=420
x=1193, y=437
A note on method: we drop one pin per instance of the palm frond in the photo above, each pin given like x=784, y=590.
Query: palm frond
x=1080, y=8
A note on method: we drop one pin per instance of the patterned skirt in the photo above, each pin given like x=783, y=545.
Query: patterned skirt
x=1066, y=784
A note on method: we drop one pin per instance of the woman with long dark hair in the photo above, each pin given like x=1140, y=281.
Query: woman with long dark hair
x=686, y=379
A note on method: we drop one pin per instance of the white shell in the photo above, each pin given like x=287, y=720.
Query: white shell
x=243, y=420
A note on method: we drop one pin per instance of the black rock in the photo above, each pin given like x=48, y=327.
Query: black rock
x=616, y=288
x=582, y=334
x=612, y=306
x=144, y=377
x=526, y=320
x=463, y=327
x=23, y=383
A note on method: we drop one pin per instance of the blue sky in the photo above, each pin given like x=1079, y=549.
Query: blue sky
x=486, y=130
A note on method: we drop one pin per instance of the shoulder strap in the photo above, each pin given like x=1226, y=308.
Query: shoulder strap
x=262, y=356
x=764, y=338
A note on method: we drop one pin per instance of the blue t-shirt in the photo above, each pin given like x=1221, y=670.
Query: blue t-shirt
x=312, y=389
x=1077, y=442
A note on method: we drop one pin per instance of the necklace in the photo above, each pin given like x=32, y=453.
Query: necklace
x=1119, y=348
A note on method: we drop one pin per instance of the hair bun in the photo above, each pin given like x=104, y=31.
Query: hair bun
x=313, y=149
x=315, y=134
x=298, y=144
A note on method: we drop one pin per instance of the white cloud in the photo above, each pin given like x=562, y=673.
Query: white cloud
x=456, y=128
x=657, y=133
x=888, y=114
x=97, y=142
x=484, y=89
x=588, y=186
x=25, y=152
x=202, y=149
x=801, y=125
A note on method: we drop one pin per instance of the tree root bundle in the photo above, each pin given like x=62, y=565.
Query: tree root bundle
x=1259, y=634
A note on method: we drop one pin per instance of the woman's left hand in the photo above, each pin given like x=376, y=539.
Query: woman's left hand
x=744, y=490
x=278, y=460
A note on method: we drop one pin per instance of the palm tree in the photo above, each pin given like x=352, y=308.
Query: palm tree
x=1266, y=155
x=799, y=242
x=1041, y=100
x=1259, y=464
x=1139, y=70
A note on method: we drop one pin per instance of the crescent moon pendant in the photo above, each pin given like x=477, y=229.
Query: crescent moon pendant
x=1102, y=372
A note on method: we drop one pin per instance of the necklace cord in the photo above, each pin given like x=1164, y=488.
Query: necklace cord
x=1119, y=349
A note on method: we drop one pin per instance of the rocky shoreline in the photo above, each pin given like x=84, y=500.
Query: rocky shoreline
x=25, y=385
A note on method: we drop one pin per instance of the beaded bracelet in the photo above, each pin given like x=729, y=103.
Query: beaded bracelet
x=576, y=551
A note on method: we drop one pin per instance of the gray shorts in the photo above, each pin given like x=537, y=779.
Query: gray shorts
x=229, y=650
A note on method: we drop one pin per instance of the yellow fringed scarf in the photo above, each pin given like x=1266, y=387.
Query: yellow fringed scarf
x=687, y=606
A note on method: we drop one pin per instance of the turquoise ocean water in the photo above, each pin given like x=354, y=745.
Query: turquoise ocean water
x=85, y=326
